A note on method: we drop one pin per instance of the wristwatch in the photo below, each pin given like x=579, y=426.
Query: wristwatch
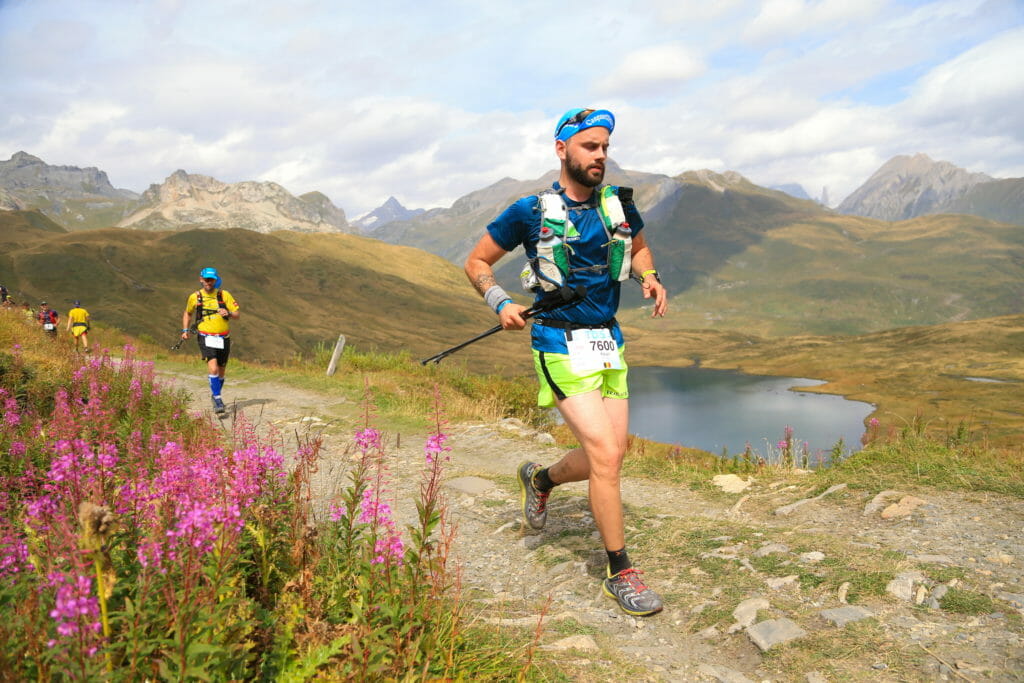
x=652, y=271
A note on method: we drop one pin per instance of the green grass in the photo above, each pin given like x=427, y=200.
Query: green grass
x=961, y=601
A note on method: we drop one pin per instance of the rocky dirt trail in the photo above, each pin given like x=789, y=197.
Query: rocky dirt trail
x=769, y=582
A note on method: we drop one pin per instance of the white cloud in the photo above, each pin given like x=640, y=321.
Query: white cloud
x=982, y=89
x=782, y=19
x=455, y=96
x=649, y=71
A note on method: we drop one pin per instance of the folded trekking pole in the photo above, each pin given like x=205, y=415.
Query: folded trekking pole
x=192, y=330
x=560, y=298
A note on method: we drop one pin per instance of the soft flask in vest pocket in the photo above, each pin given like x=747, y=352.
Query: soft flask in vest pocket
x=550, y=268
x=620, y=244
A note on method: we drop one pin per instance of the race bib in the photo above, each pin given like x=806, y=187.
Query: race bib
x=213, y=341
x=49, y=326
x=592, y=349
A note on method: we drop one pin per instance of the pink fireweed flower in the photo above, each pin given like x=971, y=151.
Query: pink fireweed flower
x=12, y=418
x=335, y=512
x=782, y=444
x=435, y=447
x=74, y=604
x=13, y=554
x=374, y=510
x=873, y=422
x=389, y=549
x=368, y=439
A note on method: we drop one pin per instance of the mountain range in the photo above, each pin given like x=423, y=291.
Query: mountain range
x=733, y=254
x=83, y=198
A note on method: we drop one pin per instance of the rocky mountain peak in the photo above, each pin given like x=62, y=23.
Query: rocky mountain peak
x=719, y=182
x=193, y=200
x=909, y=186
x=388, y=212
x=20, y=159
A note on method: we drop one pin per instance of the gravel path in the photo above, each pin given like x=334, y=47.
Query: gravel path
x=740, y=572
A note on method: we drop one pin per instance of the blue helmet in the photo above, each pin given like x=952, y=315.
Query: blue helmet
x=207, y=273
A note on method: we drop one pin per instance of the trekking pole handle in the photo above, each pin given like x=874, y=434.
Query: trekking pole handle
x=565, y=296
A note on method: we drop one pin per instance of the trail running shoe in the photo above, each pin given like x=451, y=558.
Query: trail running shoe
x=535, y=503
x=218, y=406
x=632, y=593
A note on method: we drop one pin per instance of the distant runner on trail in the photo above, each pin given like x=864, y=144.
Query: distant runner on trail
x=78, y=325
x=579, y=233
x=47, y=318
x=214, y=307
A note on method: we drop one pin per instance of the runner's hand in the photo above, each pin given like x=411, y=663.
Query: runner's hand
x=511, y=317
x=184, y=335
x=654, y=289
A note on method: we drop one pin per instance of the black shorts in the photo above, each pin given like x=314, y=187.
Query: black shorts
x=220, y=354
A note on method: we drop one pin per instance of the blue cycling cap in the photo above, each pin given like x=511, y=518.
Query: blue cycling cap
x=206, y=273
x=575, y=120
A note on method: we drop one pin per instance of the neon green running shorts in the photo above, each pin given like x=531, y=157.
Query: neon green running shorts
x=557, y=379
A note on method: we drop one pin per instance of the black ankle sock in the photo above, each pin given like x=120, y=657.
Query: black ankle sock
x=543, y=481
x=617, y=561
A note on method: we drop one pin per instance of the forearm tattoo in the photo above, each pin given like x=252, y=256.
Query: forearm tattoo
x=483, y=282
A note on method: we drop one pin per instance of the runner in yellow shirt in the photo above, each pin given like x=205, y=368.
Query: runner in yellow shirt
x=78, y=325
x=214, y=308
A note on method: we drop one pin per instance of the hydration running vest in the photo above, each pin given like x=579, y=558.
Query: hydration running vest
x=200, y=313
x=551, y=267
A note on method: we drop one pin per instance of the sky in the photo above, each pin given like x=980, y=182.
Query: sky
x=428, y=101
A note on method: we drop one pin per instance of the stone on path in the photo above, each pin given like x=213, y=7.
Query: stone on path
x=770, y=548
x=788, y=509
x=879, y=502
x=578, y=642
x=723, y=674
x=841, y=616
x=904, y=508
x=903, y=585
x=768, y=634
x=731, y=483
x=746, y=612
x=777, y=582
x=471, y=486
x=816, y=677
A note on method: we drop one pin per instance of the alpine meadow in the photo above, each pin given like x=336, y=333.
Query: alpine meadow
x=365, y=525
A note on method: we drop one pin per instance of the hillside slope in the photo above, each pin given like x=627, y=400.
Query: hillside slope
x=850, y=275
x=295, y=289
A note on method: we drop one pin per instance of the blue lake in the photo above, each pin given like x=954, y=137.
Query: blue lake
x=724, y=409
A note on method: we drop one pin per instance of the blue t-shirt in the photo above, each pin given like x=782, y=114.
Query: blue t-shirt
x=519, y=224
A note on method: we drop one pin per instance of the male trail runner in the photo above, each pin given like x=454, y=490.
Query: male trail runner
x=47, y=318
x=578, y=350
x=78, y=325
x=214, y=307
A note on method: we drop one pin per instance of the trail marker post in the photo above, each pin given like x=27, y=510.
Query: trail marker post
x=338, y=348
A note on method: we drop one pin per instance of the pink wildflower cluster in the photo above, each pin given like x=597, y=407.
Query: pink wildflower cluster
x=368, y=440
x=435, y=447
x=13, y=550
x=75, y=607
x=206, y=494
x=178, y=499
x=377, y=513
